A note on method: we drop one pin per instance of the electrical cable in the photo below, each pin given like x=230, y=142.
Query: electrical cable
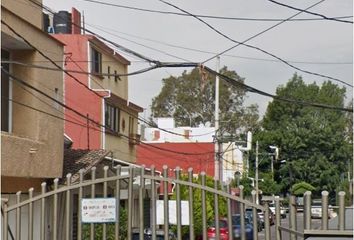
x=312, y=13
x=85, y=117
x=127, y=50
x=73, y=77
x=81, y=71
x=207, y=16
x=110, y=30
x=254, y=47
x=254, y=90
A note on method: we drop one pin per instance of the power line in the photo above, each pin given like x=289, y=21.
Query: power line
x=82, y=115
x=61, y=69
x=312, y=13
x=258, y=34
x=254, y=90
x=254, y=47
x=207, y=16
x=127, y=50
x=81, y=71
x=209, y=52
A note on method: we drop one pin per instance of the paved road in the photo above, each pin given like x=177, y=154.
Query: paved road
x=285, y=223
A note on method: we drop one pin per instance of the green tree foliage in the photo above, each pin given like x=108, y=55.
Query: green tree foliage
x=197, y=204
x=110, y=228
x=298, y=189
x=190, y=98
x=314, y=142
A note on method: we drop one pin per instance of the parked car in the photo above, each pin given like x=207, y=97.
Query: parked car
x=224, y=230
x=249, y=214
x=148, y=234
x=236, y=226
x=282, y=210
x=316, y=209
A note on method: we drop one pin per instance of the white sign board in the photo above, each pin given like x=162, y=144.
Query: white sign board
x=98, y=210
x=172, y=212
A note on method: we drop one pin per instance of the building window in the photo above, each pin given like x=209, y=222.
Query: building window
x=131, y=125
x=96, y=58
x=5, y=93
x=112, y=116
x=116, y=77
x=109, y=72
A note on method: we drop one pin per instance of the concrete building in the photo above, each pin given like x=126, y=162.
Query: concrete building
x=32, y=126
x=30, y=152
x=167, y=141
x=101, y=95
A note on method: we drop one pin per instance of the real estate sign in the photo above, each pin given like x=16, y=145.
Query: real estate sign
x=98, y=210
x=172, y=216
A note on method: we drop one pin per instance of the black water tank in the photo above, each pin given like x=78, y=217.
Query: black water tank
x=62, y=22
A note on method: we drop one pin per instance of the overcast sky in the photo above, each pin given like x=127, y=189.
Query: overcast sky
x=319, y=43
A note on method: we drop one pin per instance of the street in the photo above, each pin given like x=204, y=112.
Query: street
x=285, y=223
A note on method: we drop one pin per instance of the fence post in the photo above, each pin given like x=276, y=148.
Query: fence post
x=266, y=222
x=254, y=214
x=18, y=216
x=30, y=215
x=5, y=221
x=324, y=210
x=307, y=210
x=178, y=204
x=67, y=207
x=229, y=213
x=292, y=223
x=216, y=210
x=153, y=204
x=277, y=218
x=117, y=224
x=204, y=217
x=130, y=203
x=105, y=176
x=242, y=214
x=42, y=228
x=191, y=218
x=165, y=201
x=341, y=212
x=93, y=195
x=79, y=220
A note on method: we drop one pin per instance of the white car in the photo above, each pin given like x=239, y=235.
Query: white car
x=282, y=210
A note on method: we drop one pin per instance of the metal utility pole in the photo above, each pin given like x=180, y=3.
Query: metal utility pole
x=256, y=183
x=218, y=159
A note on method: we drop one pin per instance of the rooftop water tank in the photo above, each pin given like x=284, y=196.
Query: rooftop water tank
x=62, y=22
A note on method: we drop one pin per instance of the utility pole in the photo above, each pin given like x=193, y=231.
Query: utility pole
x=256, y=183
x=218, y=158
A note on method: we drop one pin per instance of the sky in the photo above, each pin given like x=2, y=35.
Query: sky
x=321, y=46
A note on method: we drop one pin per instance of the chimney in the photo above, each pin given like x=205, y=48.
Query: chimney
x=156, y=135
x=186, y=133
x=75, y=21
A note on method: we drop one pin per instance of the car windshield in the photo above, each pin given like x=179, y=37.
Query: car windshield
x=236, y=220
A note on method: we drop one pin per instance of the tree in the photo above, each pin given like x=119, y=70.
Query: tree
x=197, y=204
x=190, y=99
x=313, y=141
x=298, y=189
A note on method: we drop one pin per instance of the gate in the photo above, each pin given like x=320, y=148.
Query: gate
x=56, y=211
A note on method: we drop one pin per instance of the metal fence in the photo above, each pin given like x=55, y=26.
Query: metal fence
x=337, y=229
x=55, y=212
